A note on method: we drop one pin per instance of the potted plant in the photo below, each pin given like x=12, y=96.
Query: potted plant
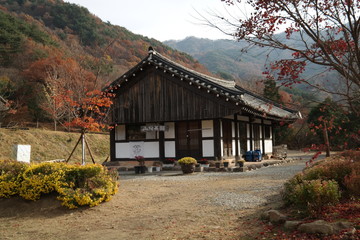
x=141, y=168
x=169, y=162
x=203, y=162
x=226, y=164
x=187, y=164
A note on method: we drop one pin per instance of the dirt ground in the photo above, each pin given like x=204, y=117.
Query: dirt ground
x=167, y=206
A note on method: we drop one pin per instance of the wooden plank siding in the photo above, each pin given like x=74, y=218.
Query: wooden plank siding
x=155, y=96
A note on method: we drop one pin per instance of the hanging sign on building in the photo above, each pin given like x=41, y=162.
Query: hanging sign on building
x=154, y=128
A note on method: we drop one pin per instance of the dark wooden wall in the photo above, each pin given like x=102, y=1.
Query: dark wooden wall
x=155, y=96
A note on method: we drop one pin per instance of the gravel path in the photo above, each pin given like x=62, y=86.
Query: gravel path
x=209, y=205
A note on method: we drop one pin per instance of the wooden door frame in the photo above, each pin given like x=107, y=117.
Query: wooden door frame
x=199, y=152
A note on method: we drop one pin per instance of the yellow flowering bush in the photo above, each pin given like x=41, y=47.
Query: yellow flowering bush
x=187, y=161
x=87, y=185
x=10, y=177
x=41, y=179
x=75, y=185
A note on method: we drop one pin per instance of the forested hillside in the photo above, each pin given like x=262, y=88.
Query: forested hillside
x=237, y=60
x=49, y=42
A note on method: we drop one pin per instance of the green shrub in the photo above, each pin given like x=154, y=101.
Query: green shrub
x=11, y=177
x=288, y=194
x=352, y=181
x=187, y=161
x=336, y=169
x=352, y=155
x=313, y=195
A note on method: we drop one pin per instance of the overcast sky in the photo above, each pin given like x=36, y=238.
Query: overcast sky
x=159, y=19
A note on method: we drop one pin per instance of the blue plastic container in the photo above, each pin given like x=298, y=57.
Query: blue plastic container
x=257, y=156
x=249, y=157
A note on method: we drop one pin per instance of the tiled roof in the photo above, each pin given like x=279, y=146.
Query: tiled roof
x=244, y=99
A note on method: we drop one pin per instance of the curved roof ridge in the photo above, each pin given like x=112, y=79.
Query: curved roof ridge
x=224, y=83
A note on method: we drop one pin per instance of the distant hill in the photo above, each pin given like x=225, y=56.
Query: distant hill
x=234, y=59
x=224, y=56
x=33, y=30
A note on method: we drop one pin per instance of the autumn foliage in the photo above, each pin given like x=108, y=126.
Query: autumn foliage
x=321, y=32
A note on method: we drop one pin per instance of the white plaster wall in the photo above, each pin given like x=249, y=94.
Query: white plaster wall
x=222, y=147
x=208, y=128
x=171, y=132
x=151, y=150
x=120, y=132
x=243, y=118
x=268, y=146
x=261, y=147
x=247, y=130
x=248, y=144
x=221, y=131
x=232, y=129
x=233, y=149
x=208, y=148
x=122, y=150
x=170, y=149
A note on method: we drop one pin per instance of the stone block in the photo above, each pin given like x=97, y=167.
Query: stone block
x=319, y=227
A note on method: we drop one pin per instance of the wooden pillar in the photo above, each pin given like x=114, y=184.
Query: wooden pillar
x=217, y=139
x=162, y=145
x=112, y=144
x=263, y=136
x=251, y=134
x=273, y=134
x=237, y=157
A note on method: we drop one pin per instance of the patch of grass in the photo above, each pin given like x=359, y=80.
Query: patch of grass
x=49, y=145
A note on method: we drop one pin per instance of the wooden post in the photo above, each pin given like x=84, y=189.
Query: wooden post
x=162, y=144
x=74, y=149
x=326, y=139
x=88, y=147
x=83, y=148
x=217, y=139
x=237, y=157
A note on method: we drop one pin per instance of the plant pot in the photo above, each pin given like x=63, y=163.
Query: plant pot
x=226, y=164
x=217, y=165
x=140, y=169
x=188, y=168
x=204, y=165
x=137, y=169
x=168, y=165
x=199, y=169
x=150, y=169
x=157, y=169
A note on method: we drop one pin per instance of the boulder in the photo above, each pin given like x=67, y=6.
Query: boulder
x=319, y=226
x=340, y=226
x=275, y=217
x=291, y=225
